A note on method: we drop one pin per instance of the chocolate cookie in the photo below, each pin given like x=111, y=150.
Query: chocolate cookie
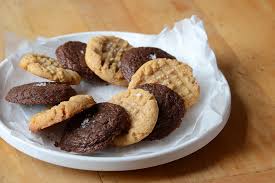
x=95, y=128
x=48, y=93
x=171, y=110
x=134, y=58
x=71, y=55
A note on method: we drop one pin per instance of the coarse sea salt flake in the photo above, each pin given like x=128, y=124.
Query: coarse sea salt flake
x=40, y=84
x=85, y=123
x=153, y=56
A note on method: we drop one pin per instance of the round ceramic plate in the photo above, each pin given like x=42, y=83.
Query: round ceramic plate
x=200, y=125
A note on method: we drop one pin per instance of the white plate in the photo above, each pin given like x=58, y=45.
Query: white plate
x=212, y=120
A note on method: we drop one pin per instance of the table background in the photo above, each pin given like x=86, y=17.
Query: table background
x=242, y=36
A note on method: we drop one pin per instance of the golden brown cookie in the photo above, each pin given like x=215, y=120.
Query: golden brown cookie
x=103, y=55
x=171, y=73
x=48, y=68
x=143, y=110
x=60, y=112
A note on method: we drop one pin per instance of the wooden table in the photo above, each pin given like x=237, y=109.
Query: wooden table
x=242, y=35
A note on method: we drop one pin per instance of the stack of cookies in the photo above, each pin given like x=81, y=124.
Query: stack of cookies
x=160, y=90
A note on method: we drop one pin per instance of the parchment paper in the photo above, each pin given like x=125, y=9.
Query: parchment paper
x=187, y=40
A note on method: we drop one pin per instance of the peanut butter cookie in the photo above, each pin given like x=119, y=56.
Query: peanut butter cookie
x=171, y=73
x=48, y=68
x=60, y=112
x=143, y=110
x=103, y=56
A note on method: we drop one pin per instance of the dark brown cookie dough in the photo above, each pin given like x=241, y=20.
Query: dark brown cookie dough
x=171, y=110
x=134, y=58
x=47, y=93
x=71, y=55
x=95, y=128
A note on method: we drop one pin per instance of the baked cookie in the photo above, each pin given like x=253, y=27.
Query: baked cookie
x=143, y=110
x=48, y=68
x=47, y=93
x=171, y=73
x=60, y=112
x=136, y=57
x=103, y=55
x=95, y=128
x=71, y=55
x=171, y=110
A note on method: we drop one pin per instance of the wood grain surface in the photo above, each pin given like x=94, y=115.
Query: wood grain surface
x=242, y=36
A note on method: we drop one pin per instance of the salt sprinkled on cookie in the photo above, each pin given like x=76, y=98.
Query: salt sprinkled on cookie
x=85, y=123
x=40, y=84
x=138, y=94
x=119, y=64
x=153, y=56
